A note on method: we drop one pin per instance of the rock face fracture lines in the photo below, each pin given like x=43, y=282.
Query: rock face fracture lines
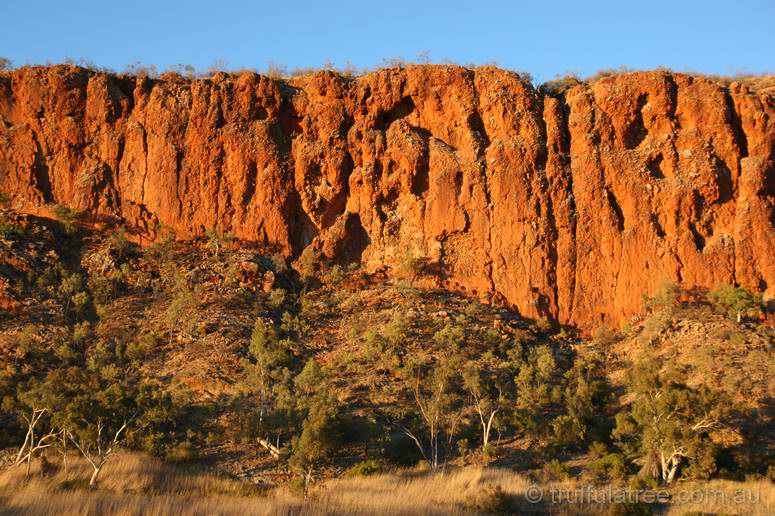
x=562, y=205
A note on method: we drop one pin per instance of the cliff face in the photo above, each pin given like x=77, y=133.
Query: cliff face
x=569, y=207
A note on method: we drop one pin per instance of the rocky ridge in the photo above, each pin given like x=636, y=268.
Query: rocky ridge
x=562, y=205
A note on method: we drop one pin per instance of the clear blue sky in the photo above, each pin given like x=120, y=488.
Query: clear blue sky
x=543, y=38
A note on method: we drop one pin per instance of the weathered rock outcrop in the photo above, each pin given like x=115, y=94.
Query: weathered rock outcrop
x=569, y=206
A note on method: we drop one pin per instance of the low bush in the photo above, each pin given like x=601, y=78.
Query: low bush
x=609, y=467
x=490, y=500
x=9, y=229
x=276, y=298
x=555, y=471
x=182, y=452
x=67, y=217
x=142, y=346
x=735, y=302
x=336, y=274
x=366, y=468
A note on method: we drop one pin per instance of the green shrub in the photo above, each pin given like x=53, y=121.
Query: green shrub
x=734, y=301
x=598, y=450
x=276, y=298
x=67, y=217
x=8, y=228
x=411, y=266
x=366, y=468
x=119, y=244
x=463, y=447
x=452, y=337
x=542, y=325
x=278, y=263
x=178, y=313
x=560, y=85
x=604, y=337
x=81, y=331
x=472, y=308
x=142, y=346
x=664, y=299
x=48, y=278
x=298, y=487
x=67, y=352
x=336, y=274
x=292, y=326
x=309, y=260
x=609, y=467
x=396, y=330
x=401, y=450
x=643, y=483
x=567, y=430
x=105, y=289
x=216, y=240
x=490, y=500
x=555, y=471
x=182, y=452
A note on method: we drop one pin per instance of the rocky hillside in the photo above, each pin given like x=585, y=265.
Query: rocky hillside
x=567, y=205
x=185, y=318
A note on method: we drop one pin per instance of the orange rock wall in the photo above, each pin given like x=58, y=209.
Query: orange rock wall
x=567, y=206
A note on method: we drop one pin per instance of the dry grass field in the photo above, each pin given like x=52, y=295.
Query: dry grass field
x=135, y=484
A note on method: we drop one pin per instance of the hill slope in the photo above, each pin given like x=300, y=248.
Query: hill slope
x=186, y=317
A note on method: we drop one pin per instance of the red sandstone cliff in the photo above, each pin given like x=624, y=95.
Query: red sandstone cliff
x=569, y=206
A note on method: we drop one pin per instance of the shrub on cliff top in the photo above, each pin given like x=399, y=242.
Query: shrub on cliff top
x=560, y=85
x=140, y=70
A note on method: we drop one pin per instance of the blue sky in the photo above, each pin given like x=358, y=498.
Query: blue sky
x=543, y=38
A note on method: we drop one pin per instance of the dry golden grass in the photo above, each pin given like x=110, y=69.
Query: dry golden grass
x=456, y=492
x=42, y=502
x=131, y=484
x=753, y=498
x=134, y=484
x=126, y=473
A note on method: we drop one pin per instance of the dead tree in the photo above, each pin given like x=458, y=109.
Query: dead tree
x=32, y=442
